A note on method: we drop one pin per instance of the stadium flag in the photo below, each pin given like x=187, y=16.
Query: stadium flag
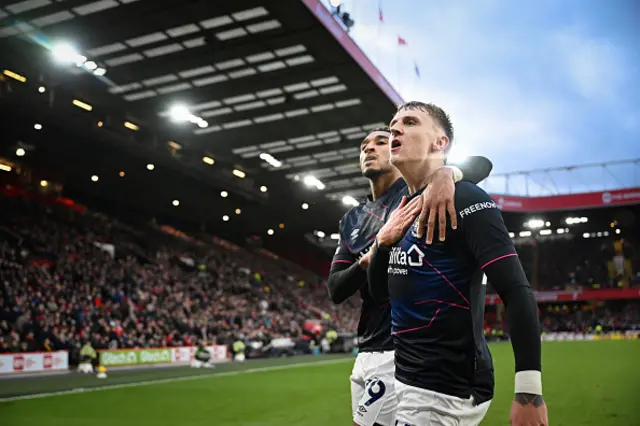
x=415, y=64
x=401, y=41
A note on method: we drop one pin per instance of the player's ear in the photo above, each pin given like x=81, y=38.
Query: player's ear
x=441, y=143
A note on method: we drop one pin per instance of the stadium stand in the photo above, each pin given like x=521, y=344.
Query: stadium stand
x=83, y=275
x=116, y=274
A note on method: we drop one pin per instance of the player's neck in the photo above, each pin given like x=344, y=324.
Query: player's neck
x=418, y=173
x=382, y=182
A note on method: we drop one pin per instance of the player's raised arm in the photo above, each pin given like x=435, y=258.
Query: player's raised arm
x=486, y=236
x=346, y=274
x=438, y=197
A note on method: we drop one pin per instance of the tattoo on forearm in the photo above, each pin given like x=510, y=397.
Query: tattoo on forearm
x=529, y=398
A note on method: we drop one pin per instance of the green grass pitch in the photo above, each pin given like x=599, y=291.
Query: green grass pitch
x=585, y=383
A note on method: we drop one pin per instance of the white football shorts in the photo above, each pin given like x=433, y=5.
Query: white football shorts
x=373, y=397
x=422, y=407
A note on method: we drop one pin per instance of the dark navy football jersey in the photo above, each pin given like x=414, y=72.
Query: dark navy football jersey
x=358, y=229
x=437, y=299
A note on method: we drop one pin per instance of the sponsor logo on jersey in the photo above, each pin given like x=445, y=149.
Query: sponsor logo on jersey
x=400, y=260
x=473, y=208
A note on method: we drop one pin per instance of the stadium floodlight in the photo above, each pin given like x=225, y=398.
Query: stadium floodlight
x=42, y=89
x=95, y=178
x=65, y=53
x=546, y=232
x=175, y=203
x=305, y=206
x=525, y=233
x=150, y=167
x=320, y=234
x=208, y=160
x=224, y=194
x=85, y=106
x=313, y=182
x=238, y=211
x=5, y=168
x=335, y=236
x=273, y=162
x=20, y=152
x=534, y=223
x=90, y=65
x=37, y=126
x=99, y=72
x=225, y=218
x=239, y=173
x=576, y=220
x=15, y=76
x=180, y=113
x=263, y=188
x=348, y=200
x=270, y=231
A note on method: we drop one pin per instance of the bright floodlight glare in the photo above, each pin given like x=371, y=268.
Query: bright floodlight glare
x=100, y=72
x=348, y=200
x=202, y=124
x=535, y=223
x=68, y=54
x=175, y=203
x=263, y=188
x=94, y=178
x=37, y=126
x=238, y=211
x=335, y=236
x=20, y=152
x=305, y=206
x=224, y=194
x=42, y=89
x=457, y=155
x=264, y=156
x=179, y=113
x=150, y=167
x=208, y=160
x=225, y=218
x=90, y=65
x=270, y=231
x=313, y=181
x=320, y=234
x=335, y=3
x=44, y=183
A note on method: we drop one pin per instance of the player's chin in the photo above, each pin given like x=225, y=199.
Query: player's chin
x=370, y=171
x=397, y=159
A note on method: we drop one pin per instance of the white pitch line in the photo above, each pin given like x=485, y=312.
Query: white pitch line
x=174, y=379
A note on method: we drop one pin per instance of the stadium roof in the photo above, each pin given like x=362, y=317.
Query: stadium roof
x=257, y=77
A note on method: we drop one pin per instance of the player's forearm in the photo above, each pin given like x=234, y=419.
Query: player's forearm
x=509, y=280
x=474, y=169
x=377, y=274
x=344, y=283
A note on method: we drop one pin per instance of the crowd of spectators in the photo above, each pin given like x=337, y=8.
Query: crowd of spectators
x=67, y=277
x=59, y=288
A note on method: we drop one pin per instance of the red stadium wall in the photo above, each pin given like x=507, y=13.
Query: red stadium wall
x=568, y=202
